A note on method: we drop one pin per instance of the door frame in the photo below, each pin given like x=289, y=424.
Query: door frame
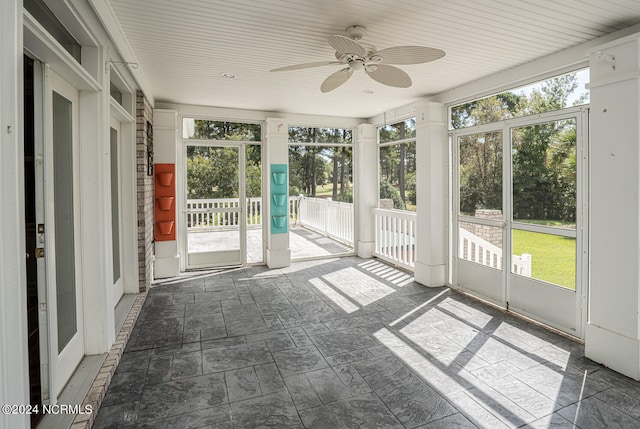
x=228, y=258
x=477, y=279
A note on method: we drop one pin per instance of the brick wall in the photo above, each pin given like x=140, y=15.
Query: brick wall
x=144, y=116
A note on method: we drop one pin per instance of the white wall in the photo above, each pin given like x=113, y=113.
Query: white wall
x=613, y=327
x=13, y=320
x=16, y=35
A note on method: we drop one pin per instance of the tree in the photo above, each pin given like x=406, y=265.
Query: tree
x=212, y=172
x=387, y=191
x=312, y=164
x=397, y=159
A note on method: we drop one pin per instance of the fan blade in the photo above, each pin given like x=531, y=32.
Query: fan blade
x=389, y=75
x=336, y=79
x=409, y=55
x=344, y=45
x=306, y=66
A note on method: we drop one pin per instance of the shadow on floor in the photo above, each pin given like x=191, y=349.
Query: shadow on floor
x=350, y=343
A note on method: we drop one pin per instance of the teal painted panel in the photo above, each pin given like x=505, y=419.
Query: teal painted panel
x=279, y=198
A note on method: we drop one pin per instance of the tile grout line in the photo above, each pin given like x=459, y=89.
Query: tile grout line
x=100, y=384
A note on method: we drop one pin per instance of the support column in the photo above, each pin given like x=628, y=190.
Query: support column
x=95, y=218
x=366, y=179
x=165, y=137
x=277, y=154
x=431, y=189
x=613, y=330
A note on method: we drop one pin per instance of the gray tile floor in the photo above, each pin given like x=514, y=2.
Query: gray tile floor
x=350, y=343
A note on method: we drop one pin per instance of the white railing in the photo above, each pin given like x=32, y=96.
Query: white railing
x=395, y=235
x=294, y=210
x=201, y=213
x=331, y=218
x=475, y=249
x=221, y=213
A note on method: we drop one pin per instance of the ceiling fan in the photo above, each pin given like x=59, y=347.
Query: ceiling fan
x=357, y=55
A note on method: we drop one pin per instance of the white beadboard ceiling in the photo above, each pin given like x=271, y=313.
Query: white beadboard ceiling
x=183, y=46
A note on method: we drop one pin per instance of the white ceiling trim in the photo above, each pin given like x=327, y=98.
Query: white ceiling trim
x=241, y=115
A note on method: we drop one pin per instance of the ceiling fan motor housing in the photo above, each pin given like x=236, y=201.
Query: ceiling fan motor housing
x=355, y=32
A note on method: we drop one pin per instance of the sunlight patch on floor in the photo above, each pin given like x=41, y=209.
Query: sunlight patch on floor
x=334, y=296
x=359, y=286
x=392, y=275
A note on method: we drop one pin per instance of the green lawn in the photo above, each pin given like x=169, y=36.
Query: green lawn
x=553, y=257
x=323, y=191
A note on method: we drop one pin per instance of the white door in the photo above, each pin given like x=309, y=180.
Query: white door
x=215, y=219
x=60, y=194
x=520, y=210
x=547, y=218
x=116, y=210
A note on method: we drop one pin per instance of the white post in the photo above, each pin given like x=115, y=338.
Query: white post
x=431, y=190
x=165, y=144
x=612, y=334
x=14, y=363
x=527, y=260
x=366, y=182
x=277, y=152
x=95, y=206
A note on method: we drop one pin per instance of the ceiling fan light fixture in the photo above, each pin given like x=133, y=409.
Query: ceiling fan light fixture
x=356, y=65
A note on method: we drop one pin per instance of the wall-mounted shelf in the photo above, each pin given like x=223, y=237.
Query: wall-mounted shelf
x=165, y=194
x=279, y=197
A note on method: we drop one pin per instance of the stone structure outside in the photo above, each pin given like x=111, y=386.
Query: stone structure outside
x=386, y=203
x=491, y=234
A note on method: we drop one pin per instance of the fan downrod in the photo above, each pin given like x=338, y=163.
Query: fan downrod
x=355, y=32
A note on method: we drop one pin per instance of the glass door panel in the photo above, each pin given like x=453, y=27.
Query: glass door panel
x=481, y=175
x=214, y=210
x=116, y=239
x=554, y=261
x=480, y=199
x=544, y=186
x=61, y=198
x=64, y=219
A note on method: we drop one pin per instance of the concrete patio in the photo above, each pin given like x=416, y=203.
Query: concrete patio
x=350, y=343
x=304, y=243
